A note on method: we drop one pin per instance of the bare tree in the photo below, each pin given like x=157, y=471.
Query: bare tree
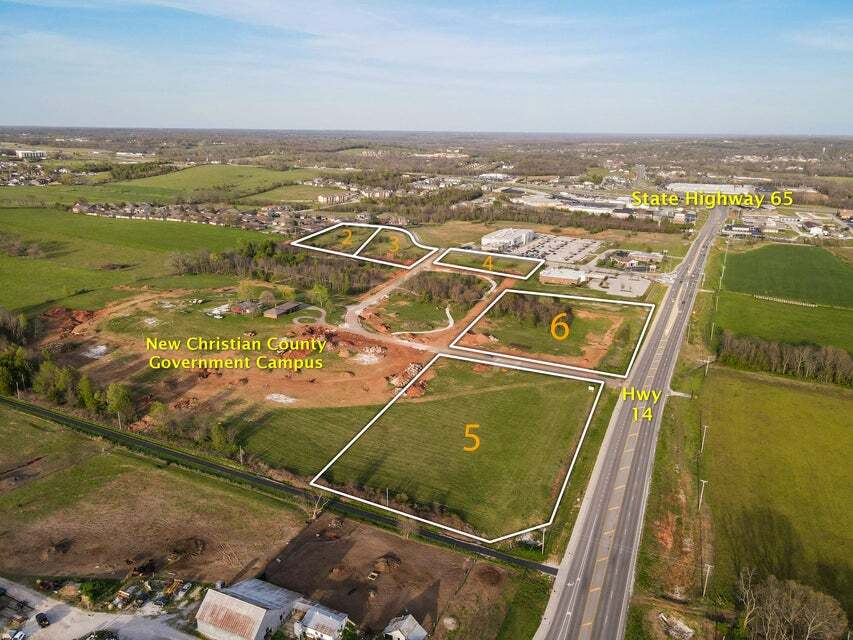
x=746, y=597
x=408, y=527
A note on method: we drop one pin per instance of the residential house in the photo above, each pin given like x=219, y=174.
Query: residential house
x=404, y=628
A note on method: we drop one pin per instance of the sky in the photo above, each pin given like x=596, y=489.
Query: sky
x=572, y=66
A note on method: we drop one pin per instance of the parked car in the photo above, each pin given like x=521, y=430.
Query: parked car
x=43, y=620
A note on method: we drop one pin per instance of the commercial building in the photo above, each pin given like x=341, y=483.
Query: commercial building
x=250, y=610
x=730, y=189
x=30, y=154
x=559, y=275
x=506, y=239
x=636, y=260
x=282, y=309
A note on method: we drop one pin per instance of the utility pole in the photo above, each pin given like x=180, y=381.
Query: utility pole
x=387, y=501
x=713, y=323
x=704, y=433
x=708, y=568
x=701, y=494
x=118, y=413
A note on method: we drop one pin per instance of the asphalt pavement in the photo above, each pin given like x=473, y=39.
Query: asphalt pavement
x=590, y=596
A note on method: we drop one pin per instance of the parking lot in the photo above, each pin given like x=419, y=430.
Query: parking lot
x=559, y=249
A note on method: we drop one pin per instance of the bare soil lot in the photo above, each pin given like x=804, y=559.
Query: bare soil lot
x=332, y=559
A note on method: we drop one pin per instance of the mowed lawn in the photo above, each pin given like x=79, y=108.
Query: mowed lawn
x=393, y=246
x=86, y=256
x=590, y=324
x=530, y=425
x=514, y=266
x=778, y=464
x=803, y=273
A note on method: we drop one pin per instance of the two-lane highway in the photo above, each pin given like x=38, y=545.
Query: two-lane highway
x=593, y=586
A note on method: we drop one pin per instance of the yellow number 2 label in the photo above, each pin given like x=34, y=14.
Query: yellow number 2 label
x=560, y=329
x=348, y=240
x=473, y=437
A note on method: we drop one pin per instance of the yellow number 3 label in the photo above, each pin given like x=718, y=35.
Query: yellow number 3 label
x=473, y=437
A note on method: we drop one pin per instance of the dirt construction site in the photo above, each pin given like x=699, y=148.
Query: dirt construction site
x=374, y=576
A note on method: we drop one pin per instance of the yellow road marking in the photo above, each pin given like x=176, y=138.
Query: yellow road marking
x=595, y=589
x=612, y=508
x=602, y=559
x=621, y=486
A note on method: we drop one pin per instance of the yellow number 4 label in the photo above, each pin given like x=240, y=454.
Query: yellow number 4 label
x=470, y=428
x=487, y=263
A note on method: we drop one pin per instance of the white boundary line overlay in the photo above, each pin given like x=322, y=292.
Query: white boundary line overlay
x=650, y=306
x=401, y=393
x=357, y=253
x=539, y=262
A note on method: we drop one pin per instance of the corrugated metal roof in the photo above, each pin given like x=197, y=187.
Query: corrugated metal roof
x=230, y=614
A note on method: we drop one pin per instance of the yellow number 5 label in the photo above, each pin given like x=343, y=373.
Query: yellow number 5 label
x=473, y=437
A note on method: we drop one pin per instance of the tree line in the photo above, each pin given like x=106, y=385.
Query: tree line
x=775, y=609
x=276, y=261
x=444, y=288
x=137, y=170
x=536, y=311
x=822, y=364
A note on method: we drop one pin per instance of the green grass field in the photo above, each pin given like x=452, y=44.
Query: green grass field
x=515, y=266
x=807, y=274
x=346, y=239
x=405, y=312
x=778, y=466
x=393, y=246
x=602, y=335
x=204, y=182
x=290, y=193
x=530, y=425
x=81, y=252
x=776, y=321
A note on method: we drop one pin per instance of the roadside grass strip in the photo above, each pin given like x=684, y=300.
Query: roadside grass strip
x=490, y=263
x=480, y=450
x=350, y=239
x=542, y=342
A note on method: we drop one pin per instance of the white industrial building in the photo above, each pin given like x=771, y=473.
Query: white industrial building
x=506, y=239
x=561, y=275
x=250, y=610
x=30, y=154
x=729, y=189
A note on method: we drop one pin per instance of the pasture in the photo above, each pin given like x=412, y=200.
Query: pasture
x=794, y=272
x=203, y=183
x=529, y=427
x=778, y=466
x=85, y=257
x=299, y=193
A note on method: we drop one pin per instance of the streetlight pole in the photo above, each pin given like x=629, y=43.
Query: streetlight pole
x=708, y=568
x=704, y=433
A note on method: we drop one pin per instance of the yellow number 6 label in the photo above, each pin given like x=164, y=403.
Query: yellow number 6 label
x=560, y=329
x=473, y=437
